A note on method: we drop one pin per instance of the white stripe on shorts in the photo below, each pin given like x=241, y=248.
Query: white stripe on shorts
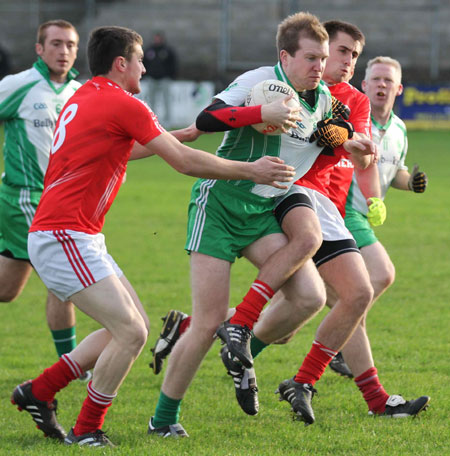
x=26, y=206
x=200, y=216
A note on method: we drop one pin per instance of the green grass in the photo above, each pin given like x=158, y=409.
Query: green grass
x=145, y=233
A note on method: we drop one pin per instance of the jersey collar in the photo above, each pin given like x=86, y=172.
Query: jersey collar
x=102, y=81
x=383, y=127
x=42, y=67
x=281, y=75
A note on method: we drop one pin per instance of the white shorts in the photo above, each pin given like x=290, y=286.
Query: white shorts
x=68, y=261
x=331, y=221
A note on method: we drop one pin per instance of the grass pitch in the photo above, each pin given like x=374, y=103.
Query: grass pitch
x=145, y=233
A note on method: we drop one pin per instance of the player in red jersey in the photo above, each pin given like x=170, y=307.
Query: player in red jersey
x=338, y=260
x=100, y=128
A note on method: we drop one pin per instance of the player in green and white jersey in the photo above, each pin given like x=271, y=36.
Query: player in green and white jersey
x=382, y=84
x=30, y=103
x=294, y=148
x=229, y=219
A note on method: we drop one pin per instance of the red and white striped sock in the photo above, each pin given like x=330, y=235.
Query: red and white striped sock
x=55, y=378
x=372, y=390
x=248, y=311
x=93, y=411
x=315, y=363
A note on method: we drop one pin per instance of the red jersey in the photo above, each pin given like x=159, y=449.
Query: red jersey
x=91, y=146
x=342, y=173
x=332, y=175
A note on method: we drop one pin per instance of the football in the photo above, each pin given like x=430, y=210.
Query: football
x=265, y=92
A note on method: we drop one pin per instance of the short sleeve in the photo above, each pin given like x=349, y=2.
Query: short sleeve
x=139, y=121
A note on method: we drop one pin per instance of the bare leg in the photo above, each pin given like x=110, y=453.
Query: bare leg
x=14, y=275
x=380, y=267
x=348, y=277
x=110, y=303
x=210, y=281
x=60, y=315
x=302, y=228
x=300, y=299
x=90, y=348
x=357, y=351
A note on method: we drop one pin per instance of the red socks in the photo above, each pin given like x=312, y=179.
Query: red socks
x=93, y=411
x=248, y=311
x=372, y=390
x=55, y=378
x=315, y=363
x=184, y=325
x=58, y=376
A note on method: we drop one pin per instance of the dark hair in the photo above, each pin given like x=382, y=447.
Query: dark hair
x=333, y=27
x=297, y=26
x=42, y=30
x=107, y=43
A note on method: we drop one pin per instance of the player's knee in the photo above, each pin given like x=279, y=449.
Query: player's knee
x=140, y=337
x=306, y=246
x=135, y=336
x=208, y=330
x=309, y=298
x=384, y=279
x=314, y=301
x=361, y=298
x=307, y=301
x=8, y=295
x=204, y=329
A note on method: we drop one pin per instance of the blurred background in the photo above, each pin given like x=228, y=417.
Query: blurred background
x=215, y=40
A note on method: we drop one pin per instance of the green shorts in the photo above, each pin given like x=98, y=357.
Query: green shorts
x=223, y=219
x=17, y=208
x=360, y=228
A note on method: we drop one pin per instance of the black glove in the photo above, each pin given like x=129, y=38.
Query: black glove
x=418, y=180
x=339, y=109
x=332, y=132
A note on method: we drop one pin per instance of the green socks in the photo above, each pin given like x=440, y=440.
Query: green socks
x=167, y=411
x=256, y=346
x=65, y=340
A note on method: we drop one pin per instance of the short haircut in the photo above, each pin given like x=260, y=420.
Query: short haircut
x=386, y=60
x=333, y=27
x=107, y=43
x=296, y=26
x=61, y=23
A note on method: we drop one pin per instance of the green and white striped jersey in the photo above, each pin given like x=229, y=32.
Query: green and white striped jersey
x=246, y=144
x=30, y=104
x=392, y=145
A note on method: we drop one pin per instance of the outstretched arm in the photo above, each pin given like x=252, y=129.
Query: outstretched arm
x=187, y=134
x=362, y=151
x=193, y=162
